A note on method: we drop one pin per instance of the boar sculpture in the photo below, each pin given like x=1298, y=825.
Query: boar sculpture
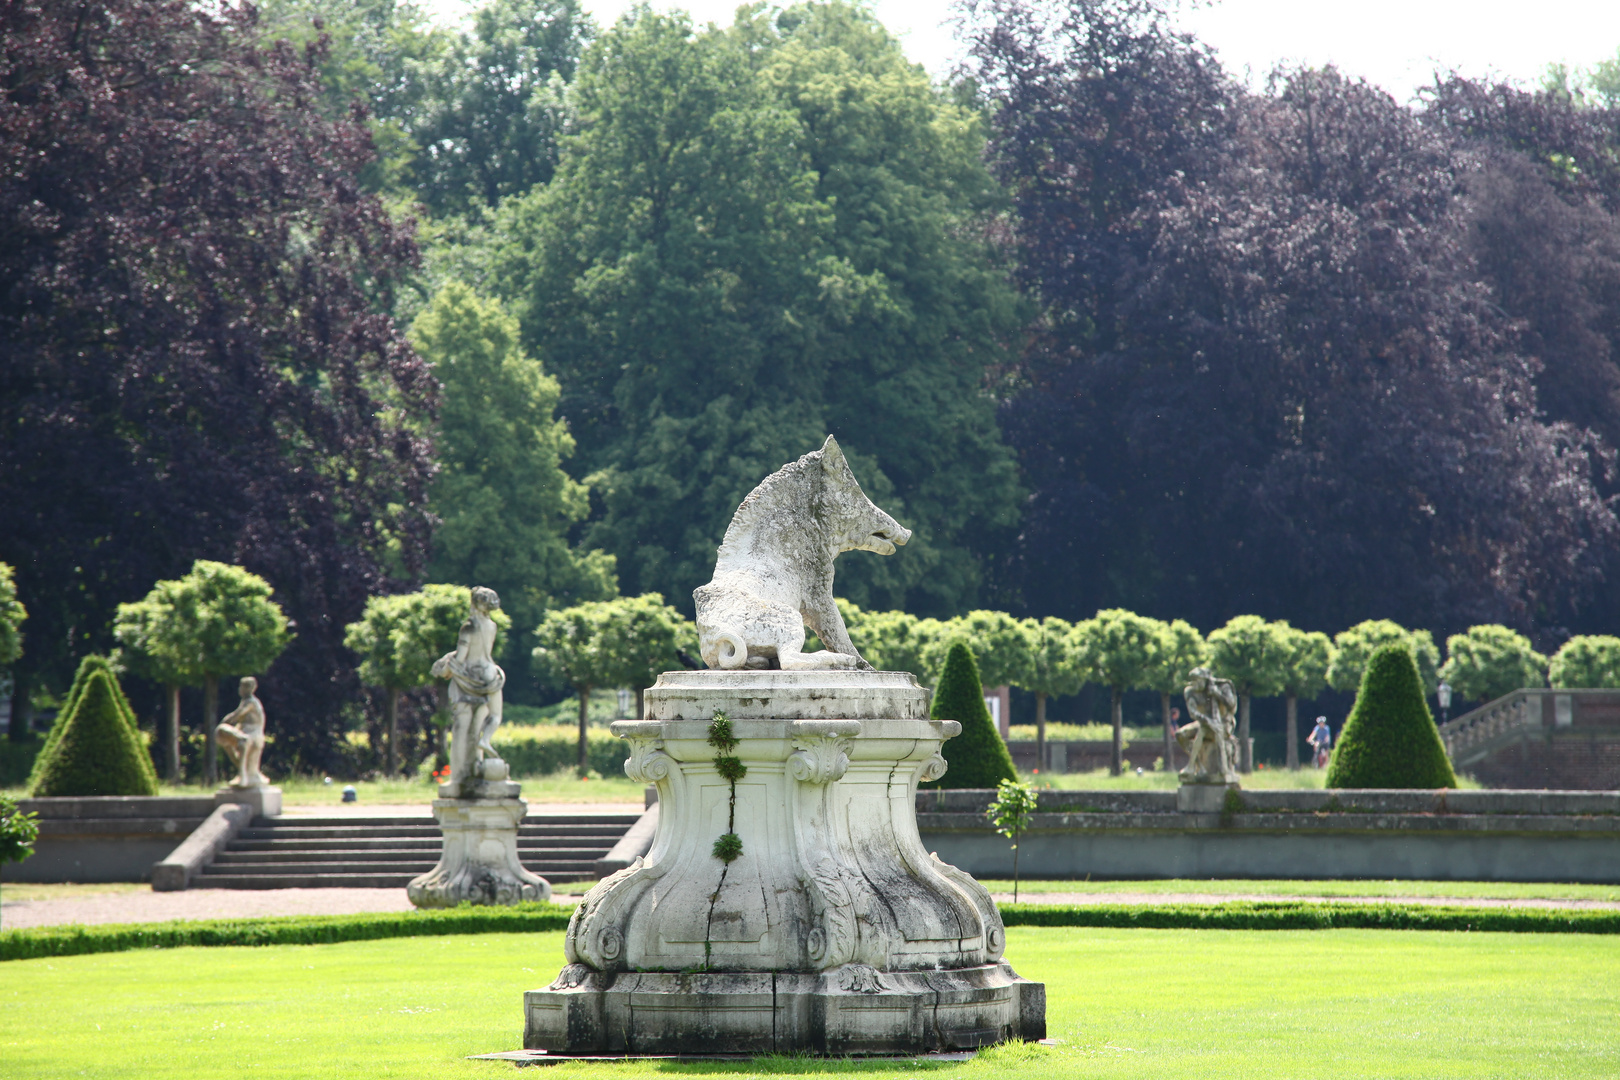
x=773, y=574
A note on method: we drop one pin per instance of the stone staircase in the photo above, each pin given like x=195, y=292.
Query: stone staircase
x=387, y=852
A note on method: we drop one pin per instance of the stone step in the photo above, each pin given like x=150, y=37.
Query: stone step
x=233, y=857
x=531, y=821
x=344, y=881
x=388, y=843
x=288, y=832
x=543, y=867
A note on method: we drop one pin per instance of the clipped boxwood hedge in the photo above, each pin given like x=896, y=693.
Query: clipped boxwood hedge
x=544, y=749
x=1389, y=739
x=77, y=940
x=977, y=758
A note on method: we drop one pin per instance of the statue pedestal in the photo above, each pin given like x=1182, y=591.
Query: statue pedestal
x=479, y=864
x=833, y=932
x=1192, y=798
x=264, y=798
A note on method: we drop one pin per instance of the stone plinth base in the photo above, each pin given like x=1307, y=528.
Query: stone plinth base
x=479, y=864
x=1203, y=798
x=265, y=800
x=853, y=1009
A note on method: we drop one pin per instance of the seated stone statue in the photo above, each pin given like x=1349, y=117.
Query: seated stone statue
x=475, y=693
x=242, y=735
x=1211, y=739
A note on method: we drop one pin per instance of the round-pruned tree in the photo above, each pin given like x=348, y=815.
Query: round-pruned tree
x=648, y=636
x=1181, y=648
x=577, y=649
x=977, y=758
x=94, y=747
x=1490, y=661
x=1306, y=657
x=1586, y=661
x=216, y=621
x=12, y=614
x=1353, y=647
x=1250, y=651
x=1054, y=670
x=1119, y=650
x=1001, y=646
x=399, y=637
x=1389, y=739
x=893, y=640
x=151, y=646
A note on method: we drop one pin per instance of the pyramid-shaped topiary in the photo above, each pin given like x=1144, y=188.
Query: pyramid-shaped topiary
x=81, y=678
x=94, y=748
x=977, y=758
x=1389, y=740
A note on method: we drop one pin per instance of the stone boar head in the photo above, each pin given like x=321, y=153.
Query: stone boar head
x=851, y=521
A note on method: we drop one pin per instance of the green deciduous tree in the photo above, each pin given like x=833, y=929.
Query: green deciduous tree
x=977, y=758
x=647, y=634
x=94, y=747
x=756, y=236
x=893, y=640
x=1390, y=739
x=503, y=498
x=1586, y=661
x=1009, y=812
x=1002, y=647
x=1353, y=647
x=216, y=621
x=12, y=615
x=398, y=639
x=492, y=105
x=1489, y=661
x=152, y=645
x=1249, y=651
x=1181, y=648
x=1118, y=649
x=18, y=832
x=581, y=647
x=1054, y=671
x=1306, y=658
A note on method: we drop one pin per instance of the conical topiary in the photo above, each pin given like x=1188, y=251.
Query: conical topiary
x=81, y=678
x=95, y=748
x=977, y=758
x=1389, y=740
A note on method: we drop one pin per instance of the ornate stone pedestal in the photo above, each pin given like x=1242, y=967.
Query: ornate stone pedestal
x=833, y=932
x=479, y=864
x=1203, y=798
x=264, y=798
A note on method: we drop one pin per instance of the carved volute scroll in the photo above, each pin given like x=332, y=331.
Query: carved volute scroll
x=821, y=750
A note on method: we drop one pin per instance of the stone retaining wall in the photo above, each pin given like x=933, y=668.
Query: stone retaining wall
x=1418, y=835
x=106, y=837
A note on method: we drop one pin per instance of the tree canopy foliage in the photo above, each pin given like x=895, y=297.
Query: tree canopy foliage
x=755, y=236
x=1280, y=320
x=503, y=501
x=12, y=615
x=1586, y=661
x=195, y=359
x=1489, y=661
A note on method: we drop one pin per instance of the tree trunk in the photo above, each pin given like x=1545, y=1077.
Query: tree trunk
x=1169, y=734
x=584, y=705
x=641, y=703
x=391, y=714
x=210, y=720
x=1116, y=702
x=441, y=724
x=172, y=741
x=1245, y=753
x=17, y=731
x=1040, y=737
x=1293, y=732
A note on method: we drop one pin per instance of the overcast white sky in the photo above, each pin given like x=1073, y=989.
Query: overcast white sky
x=1394, y=43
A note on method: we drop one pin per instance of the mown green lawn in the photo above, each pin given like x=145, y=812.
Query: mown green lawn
x=1126, y=1003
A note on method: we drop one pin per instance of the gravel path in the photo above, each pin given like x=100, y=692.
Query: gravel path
x=226, y=903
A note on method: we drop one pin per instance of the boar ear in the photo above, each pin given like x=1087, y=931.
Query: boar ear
x=831, y=455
